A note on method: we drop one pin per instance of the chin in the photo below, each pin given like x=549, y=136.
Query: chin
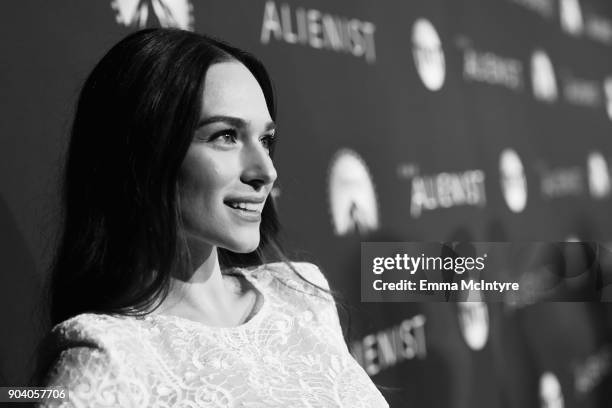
x=244, y=246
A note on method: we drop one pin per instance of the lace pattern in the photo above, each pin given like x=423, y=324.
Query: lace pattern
x=291, y=353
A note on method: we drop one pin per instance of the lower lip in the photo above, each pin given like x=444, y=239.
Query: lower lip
x=252, y=216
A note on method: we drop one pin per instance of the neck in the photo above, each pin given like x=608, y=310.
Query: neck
x=200, y=289
x=203, y=264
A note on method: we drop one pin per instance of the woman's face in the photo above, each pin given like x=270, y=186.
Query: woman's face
x=227, y=173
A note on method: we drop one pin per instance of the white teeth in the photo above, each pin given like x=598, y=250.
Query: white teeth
x=245, y=206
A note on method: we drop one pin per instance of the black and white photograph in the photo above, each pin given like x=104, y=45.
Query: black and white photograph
x=303, y=203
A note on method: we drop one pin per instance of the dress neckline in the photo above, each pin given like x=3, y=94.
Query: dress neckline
x=253, y=318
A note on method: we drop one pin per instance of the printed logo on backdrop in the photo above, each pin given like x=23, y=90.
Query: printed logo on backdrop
x=575, y=21
x=570, y=16
x=387, y=348
x=513, y=181
x=474, y=323
x=599, y=175
x=143, y=13
x=581, y=91
x=558, y=182
x=352, y=198
x=598, y=28
x=443, y=190
x=428, y=54
x=593, y=371
x=318, y=30
x=543, y=79
x=490, y=68
x=608, y=93
x=551, y=395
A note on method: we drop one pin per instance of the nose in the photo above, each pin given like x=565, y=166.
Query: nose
x=258, y=170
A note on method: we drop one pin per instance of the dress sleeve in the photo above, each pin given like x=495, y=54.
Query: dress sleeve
x=90, y=377
x=327, y=312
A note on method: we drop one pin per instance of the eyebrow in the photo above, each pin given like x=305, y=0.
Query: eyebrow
x=231, y=120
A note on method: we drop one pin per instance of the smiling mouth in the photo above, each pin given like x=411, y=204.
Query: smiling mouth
x=246, y=211
x=247, y=207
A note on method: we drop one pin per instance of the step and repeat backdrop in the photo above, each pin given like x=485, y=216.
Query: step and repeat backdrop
x=423, y=120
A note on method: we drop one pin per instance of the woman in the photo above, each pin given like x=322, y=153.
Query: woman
x=164, y=291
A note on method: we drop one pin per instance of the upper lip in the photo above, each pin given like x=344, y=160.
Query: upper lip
x=246, y=199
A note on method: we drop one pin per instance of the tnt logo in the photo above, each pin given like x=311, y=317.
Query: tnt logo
x=428, y=54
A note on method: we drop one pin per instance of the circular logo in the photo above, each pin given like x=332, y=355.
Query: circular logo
x=599, y=175
x=141, y=13
x=351, y=194
x=474, y=323
x=550, y=391
x=571, y=16
x=513, y=180
x=543, y=77
x=428, y=55
x=608, y=93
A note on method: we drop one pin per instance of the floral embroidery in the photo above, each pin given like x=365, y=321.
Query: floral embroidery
x=291, y=353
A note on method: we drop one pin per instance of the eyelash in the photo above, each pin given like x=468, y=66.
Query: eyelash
x=270, y=140
x=267, y=140
x=223, y=133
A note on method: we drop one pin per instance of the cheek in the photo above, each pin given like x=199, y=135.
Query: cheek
x=202, y=179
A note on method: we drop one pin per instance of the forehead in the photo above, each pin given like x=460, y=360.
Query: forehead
x=231, y=89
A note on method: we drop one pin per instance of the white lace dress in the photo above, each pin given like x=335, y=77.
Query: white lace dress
x=290, y=354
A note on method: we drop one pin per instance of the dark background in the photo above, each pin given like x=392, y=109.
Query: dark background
x=441, y=355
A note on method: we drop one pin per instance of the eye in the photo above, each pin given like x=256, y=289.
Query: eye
x=268, y=141
x=226, y=136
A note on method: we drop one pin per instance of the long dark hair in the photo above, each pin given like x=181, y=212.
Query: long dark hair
x=135, y=118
